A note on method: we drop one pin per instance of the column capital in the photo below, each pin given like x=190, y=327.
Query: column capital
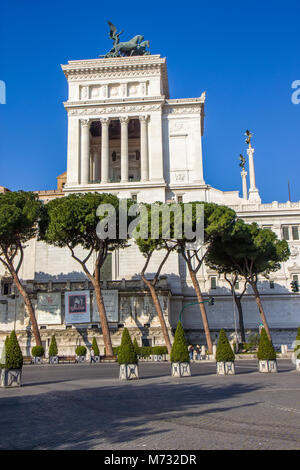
x=143, y=118
x=124, y=119
x=105, y=121
x=85, y=122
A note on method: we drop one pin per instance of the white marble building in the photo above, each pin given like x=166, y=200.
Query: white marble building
x=127, y=137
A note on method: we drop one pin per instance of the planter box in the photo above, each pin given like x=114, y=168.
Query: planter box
x=37, y=360
x=80, y=358
x=181, y=369
x=128, y=372
x=158, y=358
x=267, y=366
x=10, y=377
x=225, y=368
x=298, y=365
x=53, y=360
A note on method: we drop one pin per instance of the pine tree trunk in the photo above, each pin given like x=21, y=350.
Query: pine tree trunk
x=260, y=308
x=241, y=319
x=29, y=308
x=202, y=308
x=159, y=313
x=103, y=320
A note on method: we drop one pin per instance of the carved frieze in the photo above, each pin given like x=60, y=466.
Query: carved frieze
x=114, y=110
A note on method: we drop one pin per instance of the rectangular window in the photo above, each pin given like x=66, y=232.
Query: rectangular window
x=237, y=285
x=295, y=233
x=213, y=282
x=285, y=233
x=272, y=285
x=6, y=288
x=179, y=198
x=134, y=197
x=295, y=278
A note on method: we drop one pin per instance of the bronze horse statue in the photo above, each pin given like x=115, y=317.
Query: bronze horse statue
x=136, y=46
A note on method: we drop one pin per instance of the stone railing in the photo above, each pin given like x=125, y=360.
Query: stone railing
x=275, y=205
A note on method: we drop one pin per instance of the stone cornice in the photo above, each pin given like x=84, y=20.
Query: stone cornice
x=117, y=67
x=98, y=109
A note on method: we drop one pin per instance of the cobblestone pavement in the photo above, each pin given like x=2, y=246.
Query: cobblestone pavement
x=84, y=406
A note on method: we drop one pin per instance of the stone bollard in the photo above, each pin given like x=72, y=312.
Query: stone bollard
x=284, y=349
x=214, y=350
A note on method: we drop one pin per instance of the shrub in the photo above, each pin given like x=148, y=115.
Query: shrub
x=95, y=347
x=3, y=354
x=80, y=351
x=224, y=351
x=179, y=352
x=266, y=351
x=116, y=350
x=37, y=351
x=136, y=347
x=126, y=353
x=297, y=346
x=53, y=351
x=145, y=351
x=14, y=357
x=159, y=350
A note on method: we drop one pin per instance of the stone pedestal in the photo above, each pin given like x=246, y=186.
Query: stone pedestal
x=181, y=369
x=267, y=366
x=225, y=368
x=128, y=372
x=10, y=377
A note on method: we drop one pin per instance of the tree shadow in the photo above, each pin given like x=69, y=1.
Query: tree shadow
x=110, y=414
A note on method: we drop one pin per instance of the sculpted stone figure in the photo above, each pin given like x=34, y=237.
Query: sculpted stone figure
x=136, y=46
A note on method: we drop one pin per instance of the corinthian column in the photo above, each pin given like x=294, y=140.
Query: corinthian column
x=85, y=151
x=144, y=148
x=96, y=165
x=124, y=149
x=104, y=150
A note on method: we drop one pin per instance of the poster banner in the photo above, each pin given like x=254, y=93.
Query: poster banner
x=49, y=308
x=111, y=303
x=77, y=307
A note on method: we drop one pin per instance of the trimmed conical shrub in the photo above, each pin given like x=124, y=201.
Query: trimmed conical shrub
x=136, y=347
x=14, y=357
x=126, y=352
x=95, y=347
x=224, y=351
x=179, y=352
x=53, y=351
x=297, y=345
x=37, y=351
x=266, y=351
x=3, y=353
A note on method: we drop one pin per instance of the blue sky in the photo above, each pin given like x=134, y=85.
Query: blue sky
x=245, y=55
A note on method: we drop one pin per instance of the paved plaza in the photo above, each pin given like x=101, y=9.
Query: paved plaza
x=84, y=406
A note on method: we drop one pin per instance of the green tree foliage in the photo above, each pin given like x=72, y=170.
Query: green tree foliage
x=179, y=352
x=95, y=347
x=14, y=357
x=217, y=220
x=3, y=353
x=53, y=350
x=249, y=251
x=19, y=214
x=149, y=242
x=71, y=222
x=37, y=351
x=224, y=351
x=266, y=351
x=80, y=351
x=136, y=347
x=126, y=352
x=297, y=346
